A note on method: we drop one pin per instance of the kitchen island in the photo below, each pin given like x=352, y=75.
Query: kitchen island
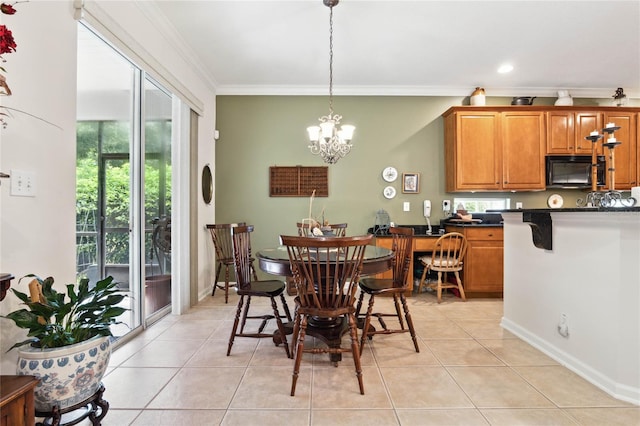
x=572, y=290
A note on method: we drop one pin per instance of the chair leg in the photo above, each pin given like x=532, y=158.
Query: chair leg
x=235, y=324
x=355, y=350
x=367, y=324
x=460, y=289
x=285, y=306
x=359, y=305
x=245, y=313
x=298, y=354
x=283, y=335
x=215, y=283
x=296, y=331
x=396, y=302
x=407, y=316
x=226, y=284
x=439, y=288
x=424, y=275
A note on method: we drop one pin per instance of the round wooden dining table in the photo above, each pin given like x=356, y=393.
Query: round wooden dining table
x=275, y=261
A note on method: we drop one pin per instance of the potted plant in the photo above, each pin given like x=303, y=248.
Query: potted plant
x=69, y=342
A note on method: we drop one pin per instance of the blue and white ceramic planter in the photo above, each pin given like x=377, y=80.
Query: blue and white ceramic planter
x=68, y=375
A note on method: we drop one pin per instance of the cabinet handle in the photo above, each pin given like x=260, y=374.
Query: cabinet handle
x=491, y=235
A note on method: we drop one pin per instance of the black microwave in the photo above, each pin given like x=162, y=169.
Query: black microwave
x=573, y=171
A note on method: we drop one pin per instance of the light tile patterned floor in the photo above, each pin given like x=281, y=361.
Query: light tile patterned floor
x=469, y=372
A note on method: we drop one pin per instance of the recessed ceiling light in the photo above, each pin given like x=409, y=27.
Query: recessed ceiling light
x=505, y=68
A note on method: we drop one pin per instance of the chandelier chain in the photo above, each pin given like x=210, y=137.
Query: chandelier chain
x=331, y=60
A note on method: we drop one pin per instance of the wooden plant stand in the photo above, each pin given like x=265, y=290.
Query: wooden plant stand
x=95, y=409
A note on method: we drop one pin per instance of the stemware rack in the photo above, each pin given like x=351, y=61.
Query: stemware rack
x=610, y=197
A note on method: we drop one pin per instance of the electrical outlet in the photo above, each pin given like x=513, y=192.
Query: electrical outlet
x=518, y=205
x=563, y=326
x=23, y=184
x=446, y=205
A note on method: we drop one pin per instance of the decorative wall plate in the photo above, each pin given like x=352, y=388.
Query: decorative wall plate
x=389, y=192
x=555, y=201
x=390, y=174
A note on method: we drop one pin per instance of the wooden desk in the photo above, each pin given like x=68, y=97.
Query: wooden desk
x=421, y=243
x=16, y=400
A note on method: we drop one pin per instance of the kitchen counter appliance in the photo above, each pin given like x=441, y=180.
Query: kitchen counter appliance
x=573, y=171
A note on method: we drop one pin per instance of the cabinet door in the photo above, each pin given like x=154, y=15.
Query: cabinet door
x=483, y=268
x=560, y=132
x=523, y=138
x=566, y=132
x=624, y=158
x=478, y=152
x=585, y=123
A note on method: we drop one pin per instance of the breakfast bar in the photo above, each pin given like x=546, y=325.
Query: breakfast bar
x=578, y=302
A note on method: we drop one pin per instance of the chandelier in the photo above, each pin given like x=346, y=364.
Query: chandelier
x=326, y=139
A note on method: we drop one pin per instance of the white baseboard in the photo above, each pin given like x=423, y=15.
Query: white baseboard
x=610, y=386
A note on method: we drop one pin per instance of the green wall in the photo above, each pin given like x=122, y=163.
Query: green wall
x=257, y=132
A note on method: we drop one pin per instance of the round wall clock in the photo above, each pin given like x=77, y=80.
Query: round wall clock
x=389, y=192
x=390, y=174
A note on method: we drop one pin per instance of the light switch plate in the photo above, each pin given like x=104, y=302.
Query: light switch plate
x=23, y=184
x=406, y=206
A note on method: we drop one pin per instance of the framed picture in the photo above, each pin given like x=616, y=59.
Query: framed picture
x=410, y=183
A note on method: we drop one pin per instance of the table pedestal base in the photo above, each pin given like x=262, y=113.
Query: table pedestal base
x=329, y=330
x=95, y=408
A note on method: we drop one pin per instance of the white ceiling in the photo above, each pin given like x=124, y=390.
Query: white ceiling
x=418, y=47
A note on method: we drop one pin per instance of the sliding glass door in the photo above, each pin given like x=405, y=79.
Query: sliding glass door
x=124, y=134
x=157, y=196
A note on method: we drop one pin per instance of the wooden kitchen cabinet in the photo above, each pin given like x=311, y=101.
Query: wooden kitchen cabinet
x=494, y=150
x=16, y=400
x=566, y=131
x=483, y=269
x=472, y=151
x=626, y=154
x=523, y=144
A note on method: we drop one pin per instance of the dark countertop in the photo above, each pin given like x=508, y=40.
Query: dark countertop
x=573, y=210
x=420, y=231
x=475, y=225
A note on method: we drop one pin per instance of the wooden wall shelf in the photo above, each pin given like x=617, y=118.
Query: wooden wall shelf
x=298, y=181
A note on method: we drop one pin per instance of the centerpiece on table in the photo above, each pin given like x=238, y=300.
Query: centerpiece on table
x=317, y=228
x=69, y=344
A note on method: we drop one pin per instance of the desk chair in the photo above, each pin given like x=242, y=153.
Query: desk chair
x=221, y=236
x=446, y=257
x=396, y=287
x=333, y=266
x=248, y=288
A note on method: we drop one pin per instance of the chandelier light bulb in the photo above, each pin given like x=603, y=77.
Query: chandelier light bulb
x=327, y=129
x=314, y=133
x=347, y=131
